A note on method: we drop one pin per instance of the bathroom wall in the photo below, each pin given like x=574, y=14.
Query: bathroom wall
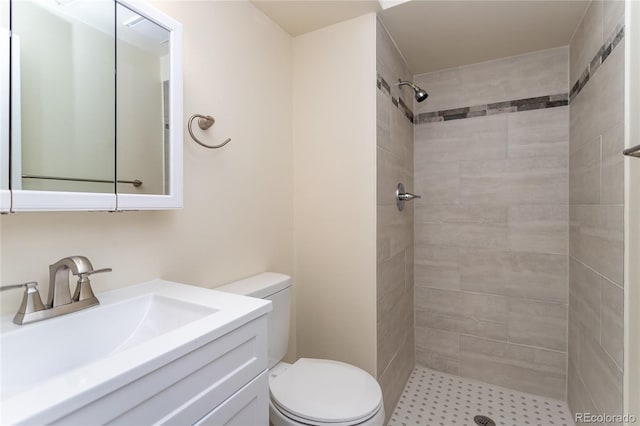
x=491, y=231
x=394, y=147
x=238, y=209
x=334, y=191
x=596, y=194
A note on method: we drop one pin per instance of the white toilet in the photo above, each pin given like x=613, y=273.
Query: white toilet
x=310, y=391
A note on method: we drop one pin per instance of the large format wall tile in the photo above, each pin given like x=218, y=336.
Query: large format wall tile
x=596, y=238
x=536, y=323
x=613, y=14
x=612, y=169
x=534, y=370
x=391, y=171
x=584, y=298
x=462, y=312
x=586, y=41
x=578, y=397
x=462, y=235
x=383, y=121
x=395, y=376
x=514, y=181
x=457, y=140
x=462, y=225
x=437, y=267
x=601, y=376
x=539, y=229
x=401, y=144
x=390, y=66
x=584, y=173
x=394, y=229
x=438, y=349
x=600, y=104
x=437, y=183
x=539, y=133
x=524, y=275
x=612, y=334
x=395, y=323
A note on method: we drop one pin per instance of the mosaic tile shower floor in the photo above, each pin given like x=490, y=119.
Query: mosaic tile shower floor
x=431, y=398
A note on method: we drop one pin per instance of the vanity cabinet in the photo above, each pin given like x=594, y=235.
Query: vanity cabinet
x=224, y=382
x=91, y=106
x=153, y=353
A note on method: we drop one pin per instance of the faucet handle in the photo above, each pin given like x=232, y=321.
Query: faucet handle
x=31, y=301
x=83, y=289
x=97, y=271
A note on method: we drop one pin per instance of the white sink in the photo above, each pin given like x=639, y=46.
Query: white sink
x=54, y=365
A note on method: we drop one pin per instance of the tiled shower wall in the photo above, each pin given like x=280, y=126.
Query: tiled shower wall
x=395, y=331
x=491, y=231
x=596, y=188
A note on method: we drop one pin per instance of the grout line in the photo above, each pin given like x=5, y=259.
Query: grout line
x=600, y=160
x=461, y=290
x=596, y=272
x=494, y=340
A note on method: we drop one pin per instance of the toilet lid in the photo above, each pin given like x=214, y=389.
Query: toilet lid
x=326, y=391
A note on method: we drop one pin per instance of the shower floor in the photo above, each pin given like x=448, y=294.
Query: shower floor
x=434, y=398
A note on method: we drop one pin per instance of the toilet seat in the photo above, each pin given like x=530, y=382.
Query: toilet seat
x=324, y=392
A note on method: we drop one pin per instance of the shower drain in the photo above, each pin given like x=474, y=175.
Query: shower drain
x=484, y=421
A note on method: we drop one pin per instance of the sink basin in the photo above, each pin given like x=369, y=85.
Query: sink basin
x=76, y=341
x=62, y=361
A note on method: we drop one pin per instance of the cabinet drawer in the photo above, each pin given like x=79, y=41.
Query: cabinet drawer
x=248, y=406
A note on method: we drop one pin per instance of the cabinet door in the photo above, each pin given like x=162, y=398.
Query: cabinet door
x=62, y=105
x=248, y=406
x=148, y=108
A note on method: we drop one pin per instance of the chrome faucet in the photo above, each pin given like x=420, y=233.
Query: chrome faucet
x=60, y=301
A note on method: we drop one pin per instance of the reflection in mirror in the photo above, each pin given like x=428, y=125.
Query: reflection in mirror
x=142, y=49
x=63, y=95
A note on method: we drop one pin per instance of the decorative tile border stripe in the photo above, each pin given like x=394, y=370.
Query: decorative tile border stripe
x=384, y=87
x=597, y=60
x=526, y=104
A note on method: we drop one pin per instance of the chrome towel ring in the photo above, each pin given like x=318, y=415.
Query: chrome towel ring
x=204, y=122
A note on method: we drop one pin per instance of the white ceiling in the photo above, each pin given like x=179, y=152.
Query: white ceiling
x=302, y=16
x=440, y=34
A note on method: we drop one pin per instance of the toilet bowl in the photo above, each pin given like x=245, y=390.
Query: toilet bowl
x=310, y=391
x=322, y=392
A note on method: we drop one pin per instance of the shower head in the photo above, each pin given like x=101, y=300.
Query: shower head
x=420, y=94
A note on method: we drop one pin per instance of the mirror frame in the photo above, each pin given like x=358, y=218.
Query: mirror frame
x=28, y=200
x=5, y=193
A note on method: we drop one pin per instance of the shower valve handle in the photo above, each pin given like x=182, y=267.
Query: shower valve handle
x=407, y=196
x=402, y=196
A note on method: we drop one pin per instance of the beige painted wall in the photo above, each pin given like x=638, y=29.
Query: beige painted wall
x=335, y=191
x=238, y=209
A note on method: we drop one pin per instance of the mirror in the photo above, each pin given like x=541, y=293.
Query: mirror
x=63, y=96
x=143, y=103
x=95, y=106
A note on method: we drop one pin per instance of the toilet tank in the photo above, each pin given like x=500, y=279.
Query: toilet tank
x=276, y=288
